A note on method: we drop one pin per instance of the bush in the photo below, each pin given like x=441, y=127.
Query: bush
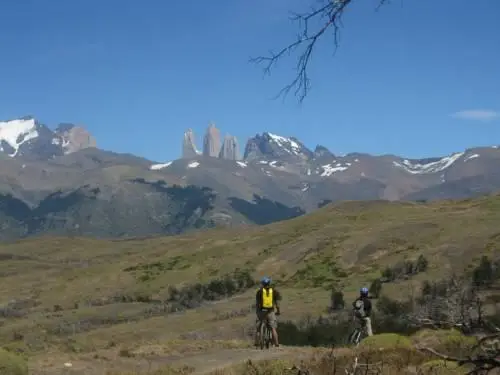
x=422, y=263
x=483, y=274
x=386, y=341
x=192, y=296
x=450, y=341
x=393, y=316
x=391, y=349
x=375, y=288
x=441, y=367
x=405, y=270
x=337, y=300
x=314, y=332
x=12, y=364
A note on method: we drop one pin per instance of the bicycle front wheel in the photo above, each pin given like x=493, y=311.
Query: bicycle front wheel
x=263, y=335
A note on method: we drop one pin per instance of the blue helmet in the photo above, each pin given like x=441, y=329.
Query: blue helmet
x=363, y=291
x=265, y=281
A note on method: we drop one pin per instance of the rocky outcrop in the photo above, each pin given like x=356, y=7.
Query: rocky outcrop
x=211, y=142
x=29, y=139
x=74, y=138
x=321, y=152
x=268, y=145
x=230, y=148
x=189, y=145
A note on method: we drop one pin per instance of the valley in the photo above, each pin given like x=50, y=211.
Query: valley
x=80, y=299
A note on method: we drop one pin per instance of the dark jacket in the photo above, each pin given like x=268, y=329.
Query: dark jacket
x=367, y=305
x=258, y=298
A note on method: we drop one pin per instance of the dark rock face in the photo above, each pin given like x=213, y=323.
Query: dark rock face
x=189, y=145
x=229, y=149
x=211, y=142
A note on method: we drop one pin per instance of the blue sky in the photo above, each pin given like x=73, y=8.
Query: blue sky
x=138, y=73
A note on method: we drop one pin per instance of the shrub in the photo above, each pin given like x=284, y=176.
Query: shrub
x=422, y=263
x=483, y=274
x=12, y=364
x=386, y=341
x=375, y=288
x=449, y=341
x=337, y=300
x=441, y=367
x=192, y=296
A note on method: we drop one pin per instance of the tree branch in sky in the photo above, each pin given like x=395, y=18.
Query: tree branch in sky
x=327, y=14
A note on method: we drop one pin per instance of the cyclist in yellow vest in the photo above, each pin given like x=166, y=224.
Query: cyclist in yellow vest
x=266, y=302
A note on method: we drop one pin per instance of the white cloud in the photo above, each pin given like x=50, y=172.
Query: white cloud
x=477, y=115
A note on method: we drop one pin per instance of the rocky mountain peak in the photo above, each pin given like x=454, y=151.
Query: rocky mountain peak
x=269, y=145
x=321, y=152
x=27, y=138
x=64, y=126
x=74, y=138
x=189, y=149
x=229, y=149
x=211, y=141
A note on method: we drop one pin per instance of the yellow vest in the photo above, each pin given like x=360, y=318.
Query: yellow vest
x=267, y=298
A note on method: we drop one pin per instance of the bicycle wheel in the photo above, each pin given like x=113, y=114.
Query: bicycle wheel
x=354, y=337
x=263, y=334
x=357, y=337
x=269, y=336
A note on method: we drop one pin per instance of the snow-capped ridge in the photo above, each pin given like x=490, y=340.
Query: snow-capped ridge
x=17, y=132
x=429, y=167
x=469, y=157
x=288, y=144
x=156, y=167
x=26, y=137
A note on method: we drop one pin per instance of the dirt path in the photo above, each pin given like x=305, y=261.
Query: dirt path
x=208, y=362
x=203, y=363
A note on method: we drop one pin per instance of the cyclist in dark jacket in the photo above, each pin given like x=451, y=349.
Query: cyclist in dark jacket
x=362, y=309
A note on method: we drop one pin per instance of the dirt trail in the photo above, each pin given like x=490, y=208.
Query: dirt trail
x=208, y=362
x=203, y=363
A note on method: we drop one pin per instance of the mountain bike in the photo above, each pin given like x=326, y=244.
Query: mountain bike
x=266, y=336
x=358, y=334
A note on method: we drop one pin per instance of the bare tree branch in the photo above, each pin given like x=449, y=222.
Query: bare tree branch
x=483, y=362
x=328, y=15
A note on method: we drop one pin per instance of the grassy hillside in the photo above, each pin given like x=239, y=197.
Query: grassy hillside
x=77, y=295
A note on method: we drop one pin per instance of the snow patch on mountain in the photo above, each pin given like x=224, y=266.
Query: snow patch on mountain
x=330, y=169
x=289, y=145
x=473, y=156
x=431, y=167
x=17, y=132
x=156, y=167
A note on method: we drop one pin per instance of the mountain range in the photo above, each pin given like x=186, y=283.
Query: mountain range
x=59, y=182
